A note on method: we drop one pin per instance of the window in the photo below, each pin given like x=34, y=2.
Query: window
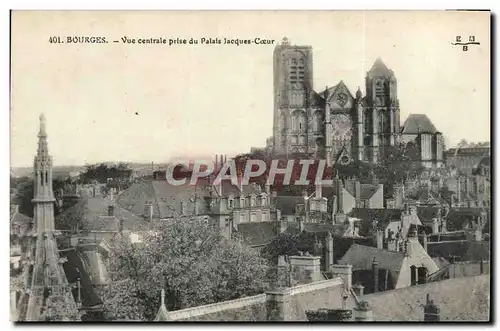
x=252, y=201
x=230, y=202
x=252, y=217
x=242, y=218
x=242, y=202
x=264, y=217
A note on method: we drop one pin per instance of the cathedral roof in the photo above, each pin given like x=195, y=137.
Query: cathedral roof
x=418, y=123
x=379, y=69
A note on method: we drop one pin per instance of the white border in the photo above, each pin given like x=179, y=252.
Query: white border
x=187, y=4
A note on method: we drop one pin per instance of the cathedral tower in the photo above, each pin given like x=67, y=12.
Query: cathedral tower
x=382, y=111
x=44, y=275
x=293, y=81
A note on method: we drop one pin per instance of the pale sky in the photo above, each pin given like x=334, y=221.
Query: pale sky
x=203, y=100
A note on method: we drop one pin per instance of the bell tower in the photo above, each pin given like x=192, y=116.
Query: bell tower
x=293, y=81
x=383, y=111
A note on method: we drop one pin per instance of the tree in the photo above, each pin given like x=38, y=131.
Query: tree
x=23, y=190
x=60, y=307
x=190, y=260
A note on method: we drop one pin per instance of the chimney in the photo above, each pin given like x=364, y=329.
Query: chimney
x=216, y=162
x=431, y=311
x=357, y=189
x=306, y=269
x=392, y=245
x=340, y=195
x=319, y=190
x=329, y=252
x=435, y=226
x=379, y=236
x=343, y=271
x=363, y=312
x=111, y=210
x=358, y=289
x=375, y=274
x=221, y=161
x=301, y=224
x=282, y=226
x=148, y=212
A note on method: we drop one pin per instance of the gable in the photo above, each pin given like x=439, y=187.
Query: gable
x=341, y=98
x=343, y=157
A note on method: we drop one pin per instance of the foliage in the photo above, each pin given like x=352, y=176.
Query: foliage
x=399, y=163
x=60, y=307
x=284, y=244
x=101, y=173
x=190, y=260
x=23, y=189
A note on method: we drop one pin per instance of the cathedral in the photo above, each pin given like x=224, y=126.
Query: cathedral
x=335, y=124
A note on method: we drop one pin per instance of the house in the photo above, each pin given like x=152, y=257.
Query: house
x=379, y=269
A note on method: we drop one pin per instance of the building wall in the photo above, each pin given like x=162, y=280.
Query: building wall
x=317, y=295
x=377, y=200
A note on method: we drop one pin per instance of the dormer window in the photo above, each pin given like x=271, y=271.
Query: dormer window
x=263, y=200
x=230, y=202
x=252, y=201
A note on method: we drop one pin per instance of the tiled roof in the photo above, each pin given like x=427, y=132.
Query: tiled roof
x=459, y=299
x=384, y=216
x=366, y=190
x=379, y=69
x=257, y=234
x=166, y=198
x=94, y=212
x=441, y=262
x=361, y=258
x=418, y=123
x=20, y=219
x=426, y=214
x=287, y=204
x=74, y=268
x=463, y=250
x=330, y=91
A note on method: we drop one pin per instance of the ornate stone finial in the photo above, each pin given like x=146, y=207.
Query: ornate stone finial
x=285, y=41
x=358, y=93
x=42, y=132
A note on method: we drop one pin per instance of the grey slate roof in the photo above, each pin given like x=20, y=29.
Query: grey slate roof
x=418, y=123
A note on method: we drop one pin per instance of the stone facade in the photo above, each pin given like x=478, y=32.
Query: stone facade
x=333, y=124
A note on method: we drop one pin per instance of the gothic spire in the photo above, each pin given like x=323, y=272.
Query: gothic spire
x=43, y=150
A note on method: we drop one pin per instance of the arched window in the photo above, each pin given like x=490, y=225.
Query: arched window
x=302, y=122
